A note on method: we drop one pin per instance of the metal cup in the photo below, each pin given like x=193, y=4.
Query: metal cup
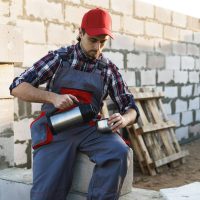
x=102, y=125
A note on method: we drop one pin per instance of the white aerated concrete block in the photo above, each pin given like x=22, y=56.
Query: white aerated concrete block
x=136, y=60
x=181, y=105
x=144, y=10
x=134, y=26
x=194, y=103
x=148, y=77
x=116, y=57
x=186, y=35
x=194, y=77
x=182, y=133
x=11, y=40
x=179, y=48
x=186, y=91
x=171, y=92
x=153, y=29
x=190, y=191
x=165, y=76
x=44, y=10
x=120, y=6
x=187, y=118
x=179, y=19
x=163, y=15
x=171, y=33
x=122, y=42
x=180, y=76
x=187, y=62
x=173, y=62
x=97, y=3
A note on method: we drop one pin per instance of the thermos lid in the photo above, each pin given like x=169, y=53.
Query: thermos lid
x=88, y=112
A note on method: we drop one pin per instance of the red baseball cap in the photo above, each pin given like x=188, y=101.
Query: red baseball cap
x=97, y=22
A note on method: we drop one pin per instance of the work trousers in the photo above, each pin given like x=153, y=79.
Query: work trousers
x=54, y=163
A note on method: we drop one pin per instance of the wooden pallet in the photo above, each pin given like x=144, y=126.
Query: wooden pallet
x=152, y=138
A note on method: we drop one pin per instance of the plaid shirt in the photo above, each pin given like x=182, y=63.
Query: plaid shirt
x=43, y=70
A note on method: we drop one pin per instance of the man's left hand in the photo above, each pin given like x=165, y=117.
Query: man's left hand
x=116, y=121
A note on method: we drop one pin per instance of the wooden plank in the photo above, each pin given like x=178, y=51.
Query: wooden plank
x=155, y=127
x=171, y=158
x=172, y=134
x=104, y=110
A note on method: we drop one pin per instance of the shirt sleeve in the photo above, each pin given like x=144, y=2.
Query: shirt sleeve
x=40, y=72
x=120, y=94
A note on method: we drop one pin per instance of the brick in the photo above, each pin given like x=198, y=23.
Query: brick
x=179, y=19
x=182, y=133
x=197, y=64
x=4, y=8
x=35, y=107
x=153, y=29
x=186, y=90
x=10, y=40
x=7, y=150
x=171, y=33
x=123, y=42
x=97, y=3
x=37, y=52
x=117, y=58
x=74, y=14
x=144, y=44
x=4, y=20
x=186, y=35
x=194, y=130
x=180, y=106
x=155, y=61
x=148, y=77
x=144, y=10
x=197, y=115
x=194, y=77
x=196, y=37
x=192, y=50
x=163, y=46
x=187, y=62
x=45, y=10
x=20, y=155
x=165, y=76
x=163, y=15
x=22, y=134
x=196, y=90
x=179, y=48
x=29, y=31
x=129, y=77
x=116, y=22
x=74, y=1
x=137, y=26
x=6, y=78
x=167, y=108
x=175, y=118
x=120, y=6
x=59, y=35
x=173, y=62
x=193, y=23
x=194, y=103
x=16, y=9
x=180, y=76
x=187, y=118
x=6, y=117
x=136, y=60
x=171, y=92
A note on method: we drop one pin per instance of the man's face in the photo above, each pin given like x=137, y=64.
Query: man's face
x=93, y=45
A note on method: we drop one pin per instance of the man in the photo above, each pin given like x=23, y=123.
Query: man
x=78, y=73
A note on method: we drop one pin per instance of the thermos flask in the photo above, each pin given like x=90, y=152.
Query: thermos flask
x=62, y=120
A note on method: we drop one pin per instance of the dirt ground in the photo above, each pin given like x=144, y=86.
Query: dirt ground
x=173, y=177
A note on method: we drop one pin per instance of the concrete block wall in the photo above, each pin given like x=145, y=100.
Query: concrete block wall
x=153, y=47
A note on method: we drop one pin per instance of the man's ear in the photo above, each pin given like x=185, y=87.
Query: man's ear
x=80, y=32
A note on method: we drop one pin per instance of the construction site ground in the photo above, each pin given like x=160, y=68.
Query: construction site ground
x=183, y=174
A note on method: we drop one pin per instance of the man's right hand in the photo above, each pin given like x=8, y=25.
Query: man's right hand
x=63, y=101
